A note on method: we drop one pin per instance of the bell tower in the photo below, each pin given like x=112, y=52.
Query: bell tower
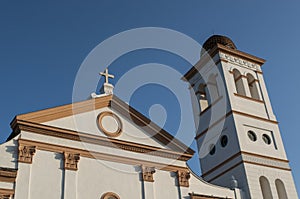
x=237, y=132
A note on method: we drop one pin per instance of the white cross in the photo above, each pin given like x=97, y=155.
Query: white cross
x=107, y=75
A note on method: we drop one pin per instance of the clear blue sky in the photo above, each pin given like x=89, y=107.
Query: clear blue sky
x=43, y=43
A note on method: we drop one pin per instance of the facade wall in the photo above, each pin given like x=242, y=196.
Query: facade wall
x=87, y=123
x=46, y=175
x=102, y=177
x=46, y=178
x=165, y=185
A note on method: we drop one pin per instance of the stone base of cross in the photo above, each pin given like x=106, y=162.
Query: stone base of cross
x=108, y=88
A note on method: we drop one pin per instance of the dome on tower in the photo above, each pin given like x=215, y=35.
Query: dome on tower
x=217, y=39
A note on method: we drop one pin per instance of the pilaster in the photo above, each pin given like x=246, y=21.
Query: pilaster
x=148, y=181
x=25, y=159
x=22, y=189
x=71, y=161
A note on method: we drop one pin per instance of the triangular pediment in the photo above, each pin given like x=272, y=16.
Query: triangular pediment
x=96, y=121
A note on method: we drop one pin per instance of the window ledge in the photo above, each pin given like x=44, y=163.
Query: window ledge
x=248, y=98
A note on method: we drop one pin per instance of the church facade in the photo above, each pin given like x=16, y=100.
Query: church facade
x=102, y=148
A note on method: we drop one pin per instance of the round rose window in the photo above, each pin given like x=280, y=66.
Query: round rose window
x=110, y=124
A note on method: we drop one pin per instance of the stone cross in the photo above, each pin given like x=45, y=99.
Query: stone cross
x=107, y=75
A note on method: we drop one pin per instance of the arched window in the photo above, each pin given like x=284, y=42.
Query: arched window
x=202, y=97
x=265, y=188
x=280, y=189
x=252, y=86
x=213, y=88
x=110, y=195
x=238, y=82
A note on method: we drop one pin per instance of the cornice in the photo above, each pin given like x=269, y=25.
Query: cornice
x=8, y=175
x=230, y=113
x=101, y=156
x=64, y=110
x=100, y=140
x=217, y=49
x=114, y=103
x=245, y=159
x=249, y=98
x=6, y=193
x=241, y=54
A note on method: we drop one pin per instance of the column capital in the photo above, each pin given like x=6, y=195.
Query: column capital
x=71, y=161
x=26, y=153
x=183, y=178
x=147, y=173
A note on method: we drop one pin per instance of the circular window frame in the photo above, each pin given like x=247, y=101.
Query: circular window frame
x=212, y=149
x=110, y=194
x=267, y=139
x=118, y=120
x=222, y=139
x=252, y=133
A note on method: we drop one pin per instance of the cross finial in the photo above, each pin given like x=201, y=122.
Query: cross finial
x=107, y=75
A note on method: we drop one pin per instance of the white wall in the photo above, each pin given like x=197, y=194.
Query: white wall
x=87, y=123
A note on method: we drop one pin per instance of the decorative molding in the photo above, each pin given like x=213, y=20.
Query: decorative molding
x=242, y=55
x=249, y=98
x=102, y=128
x=6, y=193
x=238, y=113
x=263, y=156
x=26, y=153
x=147, y=173
x=254, y=116
x=183, y=178
x=103, y=141
x=71, y=161
x=4, y=196
x=110, y=195
x=245, y=162
x=265, y=161
x=201, y=196
x=64, y=111
x=239, y=61
x=222, y=49
x=8, y=175
x=101, y=156
x=250, y=158
x=111, y=101
x=266, y=165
